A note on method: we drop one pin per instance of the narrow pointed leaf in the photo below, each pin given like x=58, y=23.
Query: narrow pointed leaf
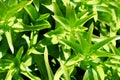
x=49, y=71
x=58, y=74
x=64, y=69
x=76, y=47
x=42, y=25
x=19, y=54
x=9, y=39
x=101, y=44
x=40, y=63
x=70, y=13
x=82, y=21
x=57, y=10
x=32, y=12
x=63, y=21
x=89, y=36
x=10, y=74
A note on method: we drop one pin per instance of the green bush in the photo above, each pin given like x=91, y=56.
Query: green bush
x=59, y=39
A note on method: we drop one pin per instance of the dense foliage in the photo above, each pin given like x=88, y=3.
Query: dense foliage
x=59, y=40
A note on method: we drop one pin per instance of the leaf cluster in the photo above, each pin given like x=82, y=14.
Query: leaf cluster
x=59, y=40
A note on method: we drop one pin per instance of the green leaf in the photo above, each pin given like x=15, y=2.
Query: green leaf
x=103, y=9
x=38, y=26
x=31, y=11
x=57, y=10
x=82, y=14
x=89, y=36
x=96, y=75
x=15, y=9
x=5, y=64
x=56, y=32
x=82, y=21
x=66, y=2
x=19, y=54
x=12, y=3
x=49, y=71
x=101, y=44
x=103, y=54
x=63, y=21
x=43, y=17
x=70, y=13
x=105, y=17
x=3, y=47
x=88, y=75
x=73, y=60
x=93, y=2
x=58, y=74
x=9, y=39
x=64, y=69
x=76, y=47
x=115, y=74
x=25, y=72
x=33, y=38
x=37, y=4
x=3, y=8
x=83, y=42
x=100, y=71
x=40, y=63
x=10, y=74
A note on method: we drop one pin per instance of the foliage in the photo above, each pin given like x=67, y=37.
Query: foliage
x=59, y=40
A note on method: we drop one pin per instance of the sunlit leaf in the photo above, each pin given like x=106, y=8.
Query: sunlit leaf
x=9, y=39
x=10, y=74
